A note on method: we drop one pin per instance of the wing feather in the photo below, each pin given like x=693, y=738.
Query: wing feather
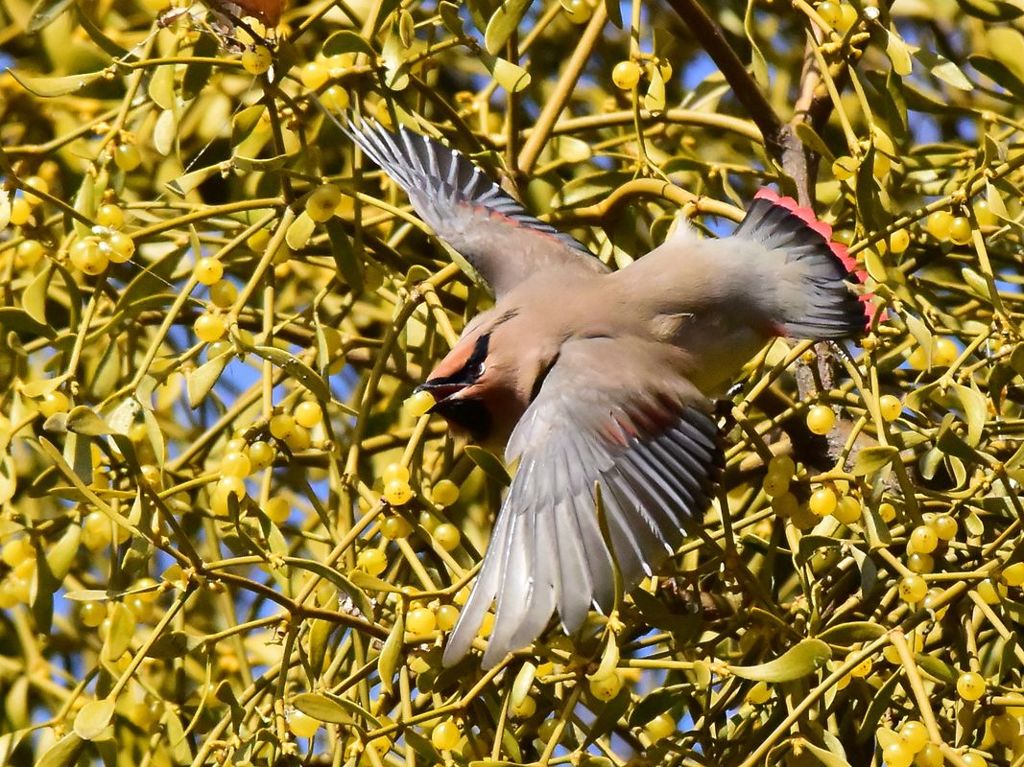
x=466, y=209
x=612, y=413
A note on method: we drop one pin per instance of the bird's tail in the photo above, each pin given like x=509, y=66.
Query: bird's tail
x=813, y=285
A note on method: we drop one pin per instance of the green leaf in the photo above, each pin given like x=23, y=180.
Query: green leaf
x=390, y=655
x=48, y=87
x=200, y=382
x=798, y=661
x=298, y=371
x=322, y=708
x=992, y=10
x=23, y=323
x=61, y=555
x=936, y=668
x=827, y=758
x=45, y=13
x=93, y=718
x=346, y=42
x=34, y=296
x=1000, y=74
x=84, y=420
x=899, y=54
x=349, y=266
x=184, y=185
x=172, y=644
x=489, y=464
x=357, y=595
x=63, y=753
x=161, y=87
x=975, y=406
x=608, y=717
x=872, y=459
x=944, y=69
x=852, y=632
x=119, y=636
x=503, y=23
x=449, y=13
x=512, y=77
x=300, y=231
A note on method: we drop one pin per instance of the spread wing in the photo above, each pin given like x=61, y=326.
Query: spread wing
x=611, y=412
x=466, y=209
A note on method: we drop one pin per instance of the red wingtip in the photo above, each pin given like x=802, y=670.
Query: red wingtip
x=825, y=230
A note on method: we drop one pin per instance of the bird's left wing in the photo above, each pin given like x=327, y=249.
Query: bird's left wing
x=610, y=412
x=466, y=209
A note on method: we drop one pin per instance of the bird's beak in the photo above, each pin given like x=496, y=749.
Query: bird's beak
x=441, y=389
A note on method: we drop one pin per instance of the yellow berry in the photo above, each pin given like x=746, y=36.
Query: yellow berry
x=945, y=527
x=96, y=532
x=960, y=230
x=447, y=617
x=930, y=756
x=660, y=727
x=829, y=13
x=577, y=11
x=299, y=439
x=983, y=213
x=314, y=74
x=397, y=492
x=847, y=17
x=991, y=591
x=372, y=561
x=118, y=247
x=29, y=253
x=881, y=166
x=261, y=454
x=220, y=503
x=257, y=60
x=282, y=425
x=420, y=621
x=87, y=257
x=258, y=241
x=923, y=540
x=945, y=352
x=970, y=686
x=822, y=501
x=1013, y=575
x=53, y=402
x=973, y=759
x=899, y=241
x=235, y=465
x=308, y=414
x=913, y=588
x=335, y=99
x=278, y=509
x=848, y=510
x=302, y=725
x=419, y=403
x=939, y=224
x=920, y=563
x=820, y=419
x=606, y=687
x=209, y=327
x=914, y=734
x=395, y=527
x=897, y=754
x=844, y=167
x=39, y=184
x=890, y=407
x=445, y=736
x=785, y=505
x=322, y=201
x=110, y=215
x=92, y=614
x=208, y=270
x=759, y=693
x=626, y=75
x=17, y=551
x=782, y=465
x=775, y=484
x=1005, y=728
x=886, y=511
x=444, y=493
x=223, y=293
x=527, y=707
x=447, y=536
x=127, y=157
x=395, y=471
x=862, y=669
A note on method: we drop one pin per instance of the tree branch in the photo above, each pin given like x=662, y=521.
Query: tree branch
x=710, y=37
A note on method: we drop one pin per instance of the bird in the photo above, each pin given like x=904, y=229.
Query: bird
x=600, y=383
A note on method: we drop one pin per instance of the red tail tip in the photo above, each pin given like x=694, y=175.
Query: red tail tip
x=825, y=230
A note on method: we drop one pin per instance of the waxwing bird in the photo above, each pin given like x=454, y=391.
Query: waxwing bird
x=601, y=379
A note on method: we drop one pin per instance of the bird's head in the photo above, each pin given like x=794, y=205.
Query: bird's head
x=487, y=380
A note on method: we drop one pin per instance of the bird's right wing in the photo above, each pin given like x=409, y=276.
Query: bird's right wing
x=613, y=413
x=466, y=209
